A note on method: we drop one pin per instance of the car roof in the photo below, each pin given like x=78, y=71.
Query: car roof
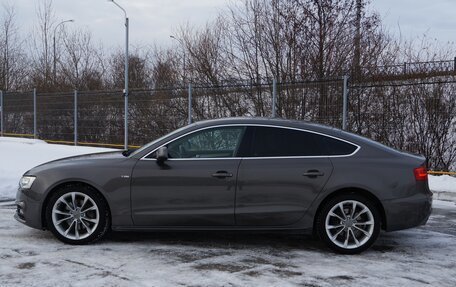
x=306, y=125
x=271, y=121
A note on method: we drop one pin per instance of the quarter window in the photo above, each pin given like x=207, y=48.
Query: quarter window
x=209, y=143
x=336, y=147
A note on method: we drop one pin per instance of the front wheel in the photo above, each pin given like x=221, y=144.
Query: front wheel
x=77, y=215
x=349, y=223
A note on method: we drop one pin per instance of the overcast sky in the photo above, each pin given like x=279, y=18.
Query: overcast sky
x=435, y=18
x=152, y=21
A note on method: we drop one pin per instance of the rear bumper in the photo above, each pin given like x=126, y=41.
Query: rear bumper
x=407, y=212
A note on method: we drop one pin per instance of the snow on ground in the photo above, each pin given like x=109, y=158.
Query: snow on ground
x=416, y=257
x=442, y=183
x=18, y=155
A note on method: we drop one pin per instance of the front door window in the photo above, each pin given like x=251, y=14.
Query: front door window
x=219, y=142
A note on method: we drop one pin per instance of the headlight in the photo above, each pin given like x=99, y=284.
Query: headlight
x=26, y=182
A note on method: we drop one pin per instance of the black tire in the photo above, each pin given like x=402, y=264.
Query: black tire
x=104, y=222
x=320, y=223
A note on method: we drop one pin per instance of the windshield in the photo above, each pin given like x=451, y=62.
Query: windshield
x=146, y=146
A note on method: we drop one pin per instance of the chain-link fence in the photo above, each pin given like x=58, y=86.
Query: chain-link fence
x=17, y=113
x=418, y=116
x=413, y=115
x=96, y=117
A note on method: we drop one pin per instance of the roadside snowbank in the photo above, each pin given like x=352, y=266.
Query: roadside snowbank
x=444, y=183
x=17, y=155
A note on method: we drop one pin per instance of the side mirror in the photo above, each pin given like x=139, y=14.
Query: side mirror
x=162, y=154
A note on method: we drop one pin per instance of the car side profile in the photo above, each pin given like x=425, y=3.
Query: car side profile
x=234, y=174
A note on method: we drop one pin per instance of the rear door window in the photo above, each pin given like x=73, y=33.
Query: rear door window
x=283, y=142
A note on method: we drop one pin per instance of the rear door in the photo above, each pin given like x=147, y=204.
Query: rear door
x=281, y=173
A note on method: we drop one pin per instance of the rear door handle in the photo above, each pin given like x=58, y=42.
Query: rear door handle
x=222, y=174
x=313, y=173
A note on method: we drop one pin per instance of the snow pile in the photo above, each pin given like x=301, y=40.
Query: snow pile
x=442, y=183
x=18, y=155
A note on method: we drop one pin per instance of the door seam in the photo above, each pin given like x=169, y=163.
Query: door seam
x=235, y=191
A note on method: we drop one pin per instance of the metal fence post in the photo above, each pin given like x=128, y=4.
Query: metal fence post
x=75, y=117
x=189, y=103
x=274, y=97
x=345, y=104
x=34, y=114
x=1, y=113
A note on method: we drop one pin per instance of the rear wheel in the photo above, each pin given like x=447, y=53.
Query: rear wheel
x=349, y=223
x=77, y=214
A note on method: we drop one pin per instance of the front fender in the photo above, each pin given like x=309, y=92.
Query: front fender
x=111, y=179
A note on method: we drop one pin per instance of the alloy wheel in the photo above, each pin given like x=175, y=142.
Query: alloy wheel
x=349, y=224
x=75, y=215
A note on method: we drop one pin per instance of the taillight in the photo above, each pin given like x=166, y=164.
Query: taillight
x=420, y=173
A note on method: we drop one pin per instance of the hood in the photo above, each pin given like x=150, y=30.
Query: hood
x=79, y=160
x=102, y=155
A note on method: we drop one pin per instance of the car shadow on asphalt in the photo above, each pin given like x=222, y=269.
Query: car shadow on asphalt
x=218, y=239
x=236, y=240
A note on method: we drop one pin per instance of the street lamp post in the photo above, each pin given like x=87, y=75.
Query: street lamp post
x=185, y=79
x=55, y=59
x=184, y=58
x=126, y=75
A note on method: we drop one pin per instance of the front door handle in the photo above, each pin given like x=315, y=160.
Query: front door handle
x=222, y=174
x=313, y=173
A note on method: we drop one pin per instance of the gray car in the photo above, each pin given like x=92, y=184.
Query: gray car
x=233, y=174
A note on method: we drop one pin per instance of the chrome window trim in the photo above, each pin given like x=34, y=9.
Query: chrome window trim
x=247, y=158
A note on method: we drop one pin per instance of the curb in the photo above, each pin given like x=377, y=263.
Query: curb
x=444, y=195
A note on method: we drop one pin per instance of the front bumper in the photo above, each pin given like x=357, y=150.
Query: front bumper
x=28, y=210
x=407, y=212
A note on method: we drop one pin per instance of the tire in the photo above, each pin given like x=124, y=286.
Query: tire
x=87, y=223
x=362, y=225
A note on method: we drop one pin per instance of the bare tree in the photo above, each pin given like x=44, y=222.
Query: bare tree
x=13, y=61
x=82, y=65
x=41, y=48
x=139, y=72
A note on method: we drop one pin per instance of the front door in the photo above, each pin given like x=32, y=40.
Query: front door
x=196, y=186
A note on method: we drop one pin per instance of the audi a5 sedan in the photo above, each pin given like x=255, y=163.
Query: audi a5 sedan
x=233, y=174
